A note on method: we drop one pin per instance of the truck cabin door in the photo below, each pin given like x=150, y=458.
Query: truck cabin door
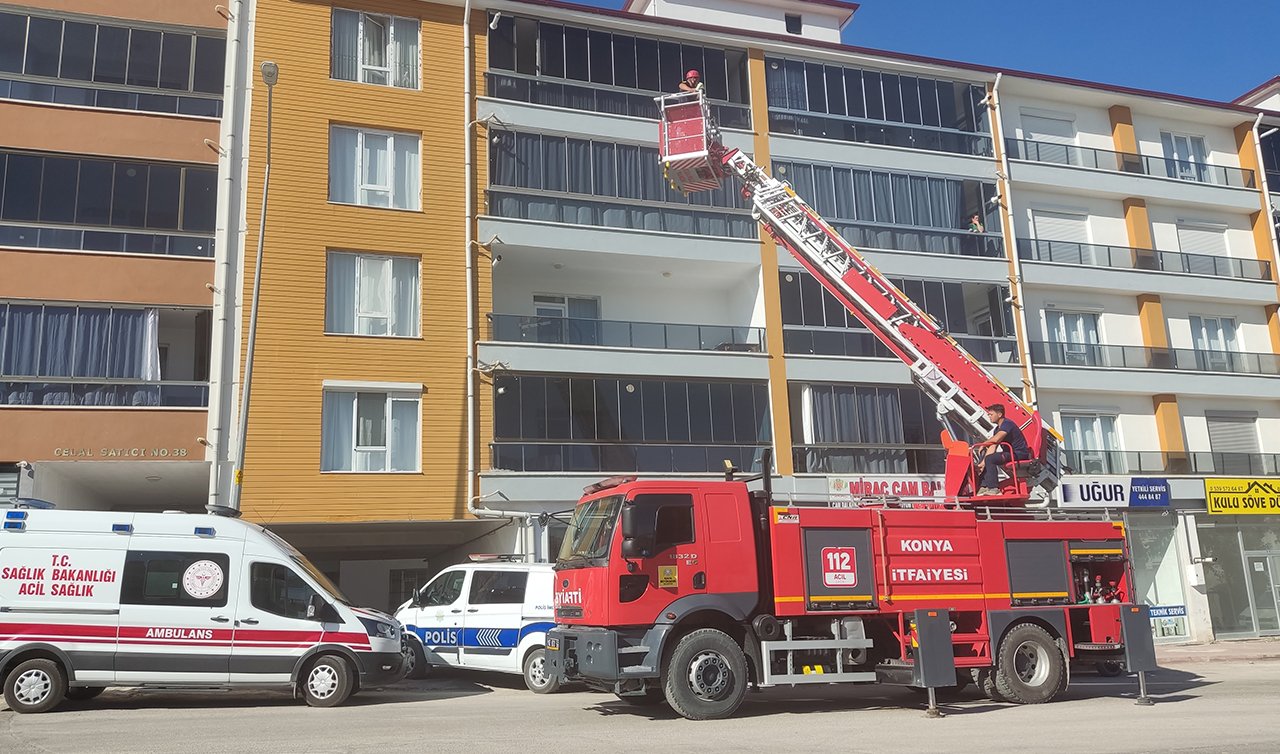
x=439, y=607
x=664, y=539
x=492, y=619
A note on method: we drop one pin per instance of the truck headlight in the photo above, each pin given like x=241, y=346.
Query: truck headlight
x=380, y=629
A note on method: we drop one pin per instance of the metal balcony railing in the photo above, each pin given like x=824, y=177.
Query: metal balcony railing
x=855, y=342
x=1128, y=162
x=105, y=393
x=1143, y=357
x=1125, y=258
x=864, y=235
x=645, y=458
x=578, y=331
x=1159, y=462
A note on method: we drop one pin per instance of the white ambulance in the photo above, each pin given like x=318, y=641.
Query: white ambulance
x=96, y=599
x=488, y=615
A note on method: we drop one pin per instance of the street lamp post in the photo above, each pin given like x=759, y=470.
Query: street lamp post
x=270, y=74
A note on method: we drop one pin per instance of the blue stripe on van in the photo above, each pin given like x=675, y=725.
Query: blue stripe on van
x=496, y=638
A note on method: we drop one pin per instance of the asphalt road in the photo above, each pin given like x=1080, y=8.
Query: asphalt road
x=1222, y=706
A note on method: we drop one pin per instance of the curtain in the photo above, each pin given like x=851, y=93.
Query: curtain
x=56, y=341
x=335, y=431
x=344, y=57
x=630, y=184
x=403, y=439
x=375, y=170
x=404, y=32
x=604, y=171
x=579, y=166
x=408, y=172
x=405, y=311
x=374, y=43
x=340, y=294
x=554, y=157
x=528, y=160
x=93, y=340
x=135, y=344
x=22, y=340
x=775, y=83
x=864, y=201
x=947, y=198
x=373, y=283
x=342, y=165
x=881, y=187
x=844, y=204
x=796, y=99
x=902, y=212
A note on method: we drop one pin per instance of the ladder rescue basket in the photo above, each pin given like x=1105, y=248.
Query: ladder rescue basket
x=689, y=143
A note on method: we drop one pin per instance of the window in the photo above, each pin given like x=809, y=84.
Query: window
x=792, y=21
x=279, y=590
x=1215, y=342
x=367, y=294
x=374, y=168
x=1054, y=137
x=403, y=583
x=1073, y=338
x=1094, y=443
x=673, y=519
x=444, y=590
x=1204, y=244
x=1233, y=440
x=1185, y=156
x=869, y=429
x=567, y=319
x=370, y=431
x=177, y=579
x=375, y=49
x=498, y=587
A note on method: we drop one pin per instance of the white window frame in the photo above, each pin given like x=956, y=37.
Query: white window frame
x=1217, y=360
x=389, y=295
x=360, y=172
x=1197, y=164
x=389, y=69
x=1096, y=415
x=1069, y=347
x=392, y=392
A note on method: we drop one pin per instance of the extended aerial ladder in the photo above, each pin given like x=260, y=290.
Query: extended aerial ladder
x=695, y=159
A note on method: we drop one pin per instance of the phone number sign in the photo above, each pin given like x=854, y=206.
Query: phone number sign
x=840, y=567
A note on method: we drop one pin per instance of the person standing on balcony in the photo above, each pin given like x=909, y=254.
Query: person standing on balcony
x=692, y=81
x=975, y=224
x=994, y=456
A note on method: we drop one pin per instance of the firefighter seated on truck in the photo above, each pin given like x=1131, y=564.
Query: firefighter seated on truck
x=692, y=81
x=995, y=451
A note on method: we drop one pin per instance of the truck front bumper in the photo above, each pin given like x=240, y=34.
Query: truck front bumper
x=605, y=657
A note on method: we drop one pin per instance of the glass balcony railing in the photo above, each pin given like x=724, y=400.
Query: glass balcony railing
x=1128, y=162
x=847, y=342
x=598, y=98
x=518, y=328
x=1143, y=357
x=528, y=204
x=118, y=393
x=105, y=96
x=1273, y=181
x=1158, y=462
x=1123, y=257
x=644, y=458
x=129, y=242
x=843, y=128
x=862, y=458
x=915, y=238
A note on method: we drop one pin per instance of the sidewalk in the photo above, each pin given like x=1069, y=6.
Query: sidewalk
x=1243, y=650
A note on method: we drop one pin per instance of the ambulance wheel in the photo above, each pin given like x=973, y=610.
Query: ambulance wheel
x=536, y=673
x=415, y=659
x=1029, y=667
x=328, y=682
x=84, y=693
x=34, y=686
x=1110, y=668
x=706, y=677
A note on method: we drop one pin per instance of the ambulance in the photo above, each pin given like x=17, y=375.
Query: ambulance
x=94, y=599
x=491, y=614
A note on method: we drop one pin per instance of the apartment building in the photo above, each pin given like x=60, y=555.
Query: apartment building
x=107, y=197
x=423, y=356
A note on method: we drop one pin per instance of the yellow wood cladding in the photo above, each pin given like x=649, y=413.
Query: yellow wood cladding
x=282, y=477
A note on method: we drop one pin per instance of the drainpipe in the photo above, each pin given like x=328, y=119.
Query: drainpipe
x=1024, y=343
x=1267, y=211
x=523, y=519
x=469, y=238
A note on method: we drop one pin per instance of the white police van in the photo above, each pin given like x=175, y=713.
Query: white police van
x=91, y=599
x=487, y=615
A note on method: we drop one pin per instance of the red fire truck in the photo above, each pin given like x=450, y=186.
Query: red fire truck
x=692, y=591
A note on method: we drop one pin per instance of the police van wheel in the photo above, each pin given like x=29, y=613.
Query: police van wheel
x=328, y=682
x=34, y=686
x=706, y=678
x=1029, y=667
x=83, y=693
x=537, y=673
x=415, y=659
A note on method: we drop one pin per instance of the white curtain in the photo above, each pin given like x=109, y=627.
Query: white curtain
x=373, y=285
x=405, y=311
x=344, y=51
x=403, y=437
x=375, y=170
x=22, y=341
x=336, y=436
x=408, y=172
x=374, y=42
x=340, y=294
x=56, y=336
x=407, y=60
x=342, y=164
x=93, y=340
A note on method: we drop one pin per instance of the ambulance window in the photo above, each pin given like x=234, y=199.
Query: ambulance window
x=184, y=579
x=445, y=590
x=675, y=522
x=279, y=590
x=498, y=587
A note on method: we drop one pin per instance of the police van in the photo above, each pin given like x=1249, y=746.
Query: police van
x=96, y=599
x=492, y=614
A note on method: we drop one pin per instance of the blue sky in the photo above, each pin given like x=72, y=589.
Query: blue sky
x=1215, y=49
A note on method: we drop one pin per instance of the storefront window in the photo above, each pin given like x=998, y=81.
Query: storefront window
x=1225, y=582
x=1157, y=571
x=1263, y=536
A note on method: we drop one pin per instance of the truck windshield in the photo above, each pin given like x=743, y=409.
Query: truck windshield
x=591, y=530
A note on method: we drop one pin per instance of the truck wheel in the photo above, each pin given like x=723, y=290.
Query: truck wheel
x=1110, y=668
x=83, y=693
x=328, y=682
x=1029, y=668
x=34, y=686
x=985, y=679
x=415, y=659
x=536, y=675
x=706, y=678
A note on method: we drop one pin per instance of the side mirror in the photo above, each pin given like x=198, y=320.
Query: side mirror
x=638, y=529
x=322, y=611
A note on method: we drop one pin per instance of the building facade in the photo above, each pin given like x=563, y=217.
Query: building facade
x=107, y=205
x=479, y=294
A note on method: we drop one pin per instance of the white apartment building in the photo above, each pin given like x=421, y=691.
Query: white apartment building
x=1122, y=269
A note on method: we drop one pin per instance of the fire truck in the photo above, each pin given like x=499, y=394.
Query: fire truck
x=693, y=591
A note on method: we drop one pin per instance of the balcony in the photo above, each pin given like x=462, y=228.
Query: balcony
x=42, y=89
x=629, y=214
x=110, y=394
x=1143, y=357
x=1157, y=462
x=79, y=239
x=1126, y=258
x=606, y=458
x=861, y=343
x=844, y=128
x=912, y=238
x=862, y=458
x=1273, y=181
x=599, y=98
x=1127, y=162
x=515, y=328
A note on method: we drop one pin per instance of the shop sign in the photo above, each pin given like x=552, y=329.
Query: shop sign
x=849, y=488
x=1235, y=497
x=1168, y=611
x=1115, y=492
